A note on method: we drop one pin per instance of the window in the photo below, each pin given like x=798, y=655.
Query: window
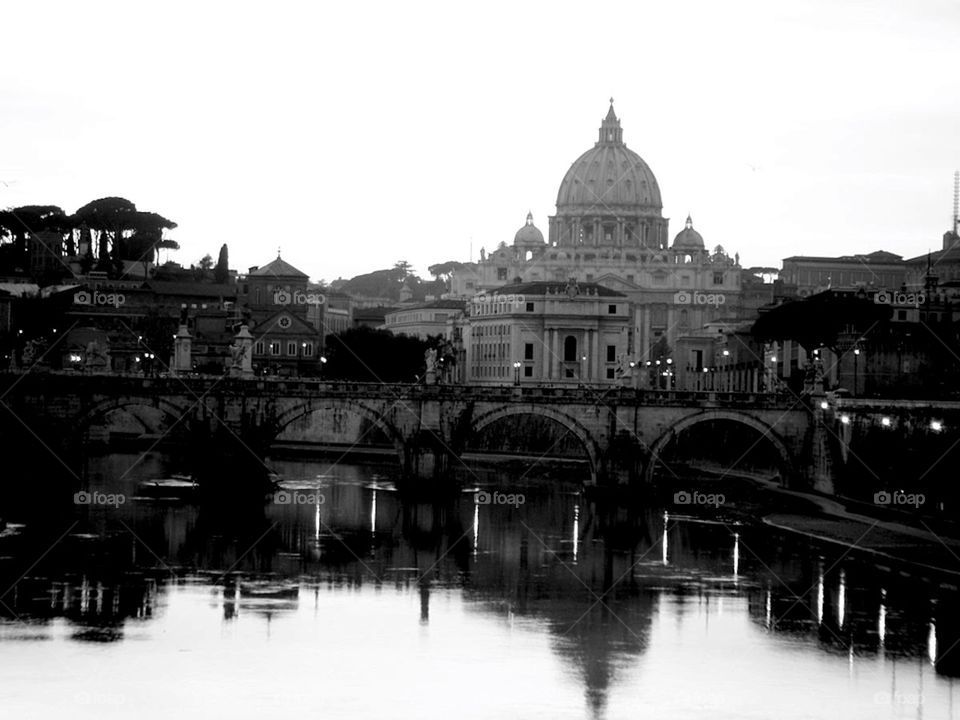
x=274, y=348
x=292, y=349
x=611, y=309
x=570, y=349
x=529, y=307
x=718, y=278
x=528, y=371
x=611, y=353
x=501, y=273
x=528, y=351
x=308, y=349
x=258, y=348
x=610, y=375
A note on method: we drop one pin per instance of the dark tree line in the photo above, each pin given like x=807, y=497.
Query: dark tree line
x=103, y=234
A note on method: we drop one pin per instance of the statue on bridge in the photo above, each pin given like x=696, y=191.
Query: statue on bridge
x=241, y=355
x=96, y=358
x=430, y=356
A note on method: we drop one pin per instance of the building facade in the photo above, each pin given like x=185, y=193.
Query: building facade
x=609, y=230
x=549, y=332
x=283, y=321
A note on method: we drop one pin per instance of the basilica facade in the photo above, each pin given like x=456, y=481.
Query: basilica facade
x=609, y=230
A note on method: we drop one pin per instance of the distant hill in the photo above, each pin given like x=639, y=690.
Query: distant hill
x=387, y=284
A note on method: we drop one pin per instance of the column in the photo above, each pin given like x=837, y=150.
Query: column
x=588, y=366
x=555, y=355
x=546, y=343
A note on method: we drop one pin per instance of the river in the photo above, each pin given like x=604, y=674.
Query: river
x=342, y=598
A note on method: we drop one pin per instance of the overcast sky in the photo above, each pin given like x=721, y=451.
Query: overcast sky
x=353, y=135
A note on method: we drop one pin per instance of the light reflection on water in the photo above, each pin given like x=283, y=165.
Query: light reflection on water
x=373, y=605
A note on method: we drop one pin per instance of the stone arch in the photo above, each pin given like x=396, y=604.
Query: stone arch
x=787, y=466
x=298, y=411
x=574, y=426
x=82, y=420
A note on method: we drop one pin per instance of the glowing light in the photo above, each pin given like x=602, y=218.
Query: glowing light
x=824, y=405
x=882, y=619
x=936, y=425
x=476, y=528
x=932, y=643
x=664, y=541
x=736, y=556
x=845, y=419
x=842, y=600
x=856, y=351
x=820, y=598
x=576, y=531
x=373, y=512
x=885, y=422
x=773, y=358
x=726, y=353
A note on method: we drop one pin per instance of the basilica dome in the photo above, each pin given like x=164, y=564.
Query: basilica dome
x=688, y=238
x=609, y=174
x=528, y=234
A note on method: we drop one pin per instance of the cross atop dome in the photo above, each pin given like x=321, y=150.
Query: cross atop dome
x=610, y=131
x=530, y=218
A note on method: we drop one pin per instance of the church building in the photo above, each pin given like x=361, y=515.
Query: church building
x=609, y=230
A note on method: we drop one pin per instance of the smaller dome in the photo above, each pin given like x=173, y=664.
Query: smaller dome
x=528, y=234
x=688, y=238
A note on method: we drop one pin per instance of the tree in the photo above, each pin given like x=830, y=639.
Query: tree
x=826, y=319
x=206, y=262
x=367, y=355
x=443, y=271
x=119, y=227
x=18, y=224
x=222, y=272
x=402, y=270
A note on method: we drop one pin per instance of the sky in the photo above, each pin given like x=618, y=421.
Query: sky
x=354, y=135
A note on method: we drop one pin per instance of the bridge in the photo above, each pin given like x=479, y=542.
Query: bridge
x=622, y=432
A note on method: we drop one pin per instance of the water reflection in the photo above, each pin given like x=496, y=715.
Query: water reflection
x=639, y=606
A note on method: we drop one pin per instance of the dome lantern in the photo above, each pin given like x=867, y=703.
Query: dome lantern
x=610, y=130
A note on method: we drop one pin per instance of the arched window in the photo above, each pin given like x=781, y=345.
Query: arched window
x=570, y=349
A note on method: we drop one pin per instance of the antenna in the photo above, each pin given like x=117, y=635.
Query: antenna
x=956, y=199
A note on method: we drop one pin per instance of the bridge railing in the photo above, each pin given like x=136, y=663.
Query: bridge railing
x=69, y=383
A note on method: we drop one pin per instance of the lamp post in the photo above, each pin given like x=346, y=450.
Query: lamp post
x=516, y=373
x=323, y=361
x=856, y=362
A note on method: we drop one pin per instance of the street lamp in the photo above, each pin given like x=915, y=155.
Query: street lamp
x=323, y=361
x=856, y=362
x=516, y=373
x=583, y=368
